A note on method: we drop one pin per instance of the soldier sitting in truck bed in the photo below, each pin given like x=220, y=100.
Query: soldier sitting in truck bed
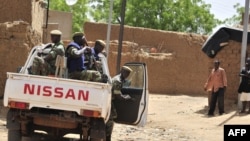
x=92, y=60
x=77, y=68
x=45, y=65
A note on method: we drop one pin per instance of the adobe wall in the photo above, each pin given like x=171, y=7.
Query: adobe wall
x=16, y=40
x=22, y=10
x=15, y=10
x=38, y=14
x=35, y=13
x=180, y=67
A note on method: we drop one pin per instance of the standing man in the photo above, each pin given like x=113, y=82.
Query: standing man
x=76, y=61
x=45, y=65
x=244, y=87
x=216, y=83
x=118, y=82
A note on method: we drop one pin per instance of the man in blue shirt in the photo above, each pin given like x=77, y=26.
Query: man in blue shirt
x=75, y=53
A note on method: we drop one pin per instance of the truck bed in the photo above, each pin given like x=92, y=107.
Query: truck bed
x=57, y=93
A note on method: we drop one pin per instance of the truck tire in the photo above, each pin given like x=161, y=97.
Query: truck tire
x=14, y=135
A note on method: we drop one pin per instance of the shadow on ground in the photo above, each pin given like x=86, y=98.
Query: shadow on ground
x=229, y=106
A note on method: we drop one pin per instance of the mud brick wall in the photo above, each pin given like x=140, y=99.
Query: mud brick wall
x=15, y=10
x=16, y=40
x=180, y=67
x=22, y=10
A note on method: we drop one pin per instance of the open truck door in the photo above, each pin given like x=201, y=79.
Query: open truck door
x=134, y=111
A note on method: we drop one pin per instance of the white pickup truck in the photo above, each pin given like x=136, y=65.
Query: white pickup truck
x=59, y=106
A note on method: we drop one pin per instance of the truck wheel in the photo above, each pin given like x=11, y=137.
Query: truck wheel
x=14, y=135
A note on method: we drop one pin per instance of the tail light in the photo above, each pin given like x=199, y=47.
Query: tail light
x=90, y=113
x=18, y=105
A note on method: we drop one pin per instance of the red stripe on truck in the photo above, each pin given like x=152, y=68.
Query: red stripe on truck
x=57, y=92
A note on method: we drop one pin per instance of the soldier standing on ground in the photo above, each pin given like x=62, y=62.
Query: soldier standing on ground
x=45, y=65
x=118, y=82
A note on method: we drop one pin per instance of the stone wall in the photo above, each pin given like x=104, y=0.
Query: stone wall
x=180, y=67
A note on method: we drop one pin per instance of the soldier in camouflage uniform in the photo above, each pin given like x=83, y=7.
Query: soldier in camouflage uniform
x=45, y=64
x=92, y=60
x=76, y=61
x=118, y=82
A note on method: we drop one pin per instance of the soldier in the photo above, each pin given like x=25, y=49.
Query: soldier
x=76, y=61
x=99, y=48
x=92, y=61
x=45, y=65
x=118, y=82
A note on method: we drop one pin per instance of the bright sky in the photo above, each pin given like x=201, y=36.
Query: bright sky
x=223, y=9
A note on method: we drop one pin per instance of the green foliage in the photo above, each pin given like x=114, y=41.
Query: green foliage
x=235, y=19
x=79, y=11
x=191, y=16
x=172, y=15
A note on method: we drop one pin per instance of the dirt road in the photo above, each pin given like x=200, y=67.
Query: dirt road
x=173, y=118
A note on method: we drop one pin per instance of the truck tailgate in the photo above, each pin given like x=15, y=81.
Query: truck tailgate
x=57, y=93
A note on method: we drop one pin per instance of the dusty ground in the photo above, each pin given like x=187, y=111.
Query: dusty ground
x=173, y=118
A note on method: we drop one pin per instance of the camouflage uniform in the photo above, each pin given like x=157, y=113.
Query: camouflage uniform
x=92, y=60
x=117, y=85
x=88, y=75
x=46, y=65
x=118, y=82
